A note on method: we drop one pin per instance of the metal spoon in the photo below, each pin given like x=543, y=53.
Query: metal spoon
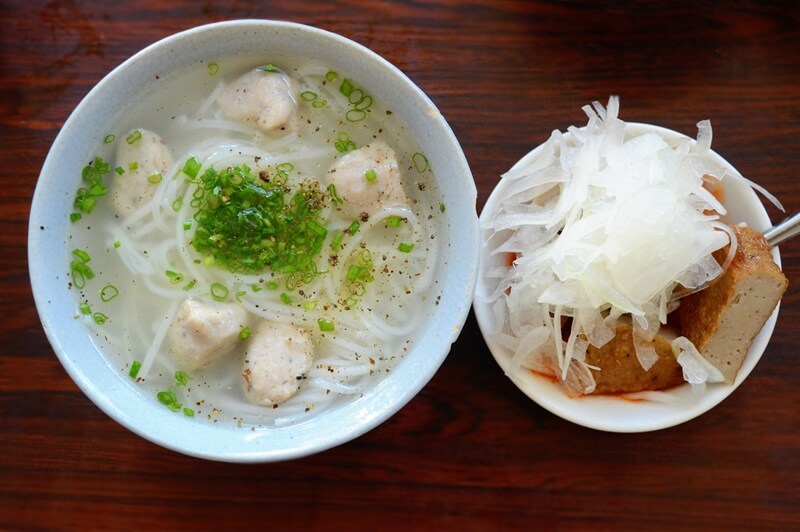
x=785, y=230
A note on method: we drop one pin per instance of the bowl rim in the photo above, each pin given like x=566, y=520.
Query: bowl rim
x=385, y=399
x=550, y=395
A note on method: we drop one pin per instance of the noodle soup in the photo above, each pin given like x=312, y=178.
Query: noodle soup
x=358, y=278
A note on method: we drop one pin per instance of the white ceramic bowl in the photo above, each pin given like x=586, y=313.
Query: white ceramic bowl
x=609, y=412
x=114, y=392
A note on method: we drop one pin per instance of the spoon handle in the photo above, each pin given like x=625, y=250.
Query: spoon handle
x=785, y=230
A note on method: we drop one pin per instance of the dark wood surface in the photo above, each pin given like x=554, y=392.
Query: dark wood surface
x=470, y=451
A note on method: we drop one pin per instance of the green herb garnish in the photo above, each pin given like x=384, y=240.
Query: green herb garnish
x=108, y=292
x=79, y=267
x=248, y=224
x=86, y=196
x=191, y=167
x=219, y=292
x=133, y=137
x=344, y=143
x=181, y=378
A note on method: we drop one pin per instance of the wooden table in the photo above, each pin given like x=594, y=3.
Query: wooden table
x=470, y=451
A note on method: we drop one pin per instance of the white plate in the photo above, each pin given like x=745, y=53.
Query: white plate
x=608, y=412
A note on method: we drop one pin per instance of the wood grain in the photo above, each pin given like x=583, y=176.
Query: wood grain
x=470, y=452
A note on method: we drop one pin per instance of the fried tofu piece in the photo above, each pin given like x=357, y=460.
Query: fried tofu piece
x=620, y=370
x=723, y=319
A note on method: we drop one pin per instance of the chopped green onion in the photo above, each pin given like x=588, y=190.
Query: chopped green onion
x=325, y=325
x=119, y=170
x=441, y=207
x=405, y=247
x=98, y=189
x=346, y=87
x=108, y=293
x=357, y=288
x=135, y=367
x=394, y=221
x=133, y=165
x=269, y=67
x=256, y=288
x=355, y=96
x=359, y=274
x=181, y=378
x=83, y=202
x=272, y=285
x=244, y=334
x=371, y=175
x=285, y=298
x=92, y=174
x=331, y=75
x=101, y=166
x=420, y=162
x=219, y=291
x=117, y=244
x=166, y=397
x=318, y=104
x=213, y=68
x=344, y=143
x=351, y=302
x=355, y=115
x=247, y=224
x=85, y=308
x=154, y=178
x=353, y=228
x=188, y=412
x=174, y=277
x=336, y=241
x=187, y=224
x=81, y=272
x=74, y=217
x=353, y=272
x=316, y=228
x=177, y=205
x=109, y=138
x=99, y=318
x=239, y=295
x=191, y=167
x=334, y=196
x=133, y=137
x=82, y=255
x=309, y=305
x=359, y=101
x=308, y=96
x=363, y=104
x=191, y=284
